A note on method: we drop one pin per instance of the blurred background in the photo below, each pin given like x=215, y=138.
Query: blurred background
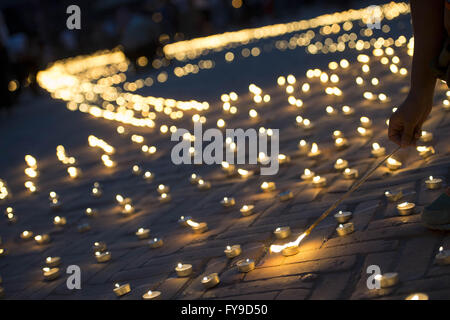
x=33, y=33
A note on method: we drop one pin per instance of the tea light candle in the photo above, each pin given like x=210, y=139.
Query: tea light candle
x=365, y=122
x=341, y=143
x=11, y=217
x=122, y=201
x=315, y=152
x=245, y=265
x=345, y=229
x=148, y=176
x=55, y=204
x=99, y=246
x=363, y=132
x=307, y=175
x=203, y=185
x=155, y=243
x=210, y=281
x=52, y=262
x=90, y=212
x=42, y=239
x=136, y=170
x=286, y=195
x=96, y=190
x=59, y=221
x=268, y=186
x=319, y=181
x=393, y=164
x=387, y=280
x=426, y=136
x=194, y=178
x=405, y=208
x=247, y=210
x=152, y=295
x=228, y=168
x=183, y=269
x=227, y=202
x=425, y=151
x=290, y=251
x=121, y=290
x=303, y=146
x=199, y=227
x=346, y=110
x=393, y=196
x=378, y=151
x=341, y=164
x=233, y=251
x=443, y=257
x=127, y=209
x=245, y=173
x=162, y=189
x=50, y=273
x=26, y=235
x=102, y=256
x=282, y=232
x=165, y=198
x=417, y=296
x=183, y=221
x=433, y=183
x=343, y=216
x=3, y=252
x=283, y=159
x=337, y=134
x=350, y=173
x=143, y=233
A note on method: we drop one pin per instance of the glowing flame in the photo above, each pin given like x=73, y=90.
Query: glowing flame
x=375, y=146
x=393, y=161
x=278, y=248
x=192, y=223
x=314, y=148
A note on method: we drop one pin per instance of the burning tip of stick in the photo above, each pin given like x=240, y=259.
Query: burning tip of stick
x=278, y=248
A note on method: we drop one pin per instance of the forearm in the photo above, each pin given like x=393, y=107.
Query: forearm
x=428, y=26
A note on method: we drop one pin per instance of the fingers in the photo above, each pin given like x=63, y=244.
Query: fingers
x=407, y=136
x=395, y=130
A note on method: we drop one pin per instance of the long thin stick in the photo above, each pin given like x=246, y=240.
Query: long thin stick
x=348, y=193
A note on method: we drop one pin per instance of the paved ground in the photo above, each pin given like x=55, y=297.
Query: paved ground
x=327, y=267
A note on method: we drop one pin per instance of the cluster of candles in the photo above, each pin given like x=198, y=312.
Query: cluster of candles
x=164, y=195
x=126, y=204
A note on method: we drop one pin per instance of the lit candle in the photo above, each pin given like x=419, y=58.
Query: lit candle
x=405, y=208
x=286, y=195
x=203, y=185
x=228, y=168
x=268, y=186
x=350, y=173
x=50, y=273
x=42, y=239
x=143, y=233
x=393, y=196
x=315, y=152
x=59, y=221
x=341, y=143
x=127, y=209
x=136, y=170
x=283, y=159
x=282, y=232
x=183, y=269
x=121, y=290
x=52, y=262
x=26, y=235
x=210, y=281
x=433, y=183
x=365, y=122
x=99, y=246
x=55, y=204
x=90, y=212
x=163, y=189
x=102, y=257
x=417, y=296
x=363, y=132
x=73, y=172
x=227, y=202
x=247, y=210
x=233, y=251
x=303, y=146
x=345, y=229
x=426, y=136
x=343, y=216
x=151, y=295
x=245, y=173
x=319, y=181
x=12, y=218
x=387, y=280
x=341, y=164
x=155, y=243
x=122, y=201
x=165, y=198
x=337, y=134
x=245, y=265
x=307, y=175
x=148, y=176
x=194, y=178
x=425, y=151
x=393, y=164
x=96, y=190
x=346, y=110
x=377, y=151
x=183, y=221
x=198, y=227
x=3, y=252
x=443, y=257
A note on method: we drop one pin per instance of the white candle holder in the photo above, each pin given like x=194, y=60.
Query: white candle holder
x=405, y=208
x=343, y=216
x=307, y=175
x=433, y=183
x=393, y=164
x=233, y=251
x=247, y=210
x=350, y=173
x=319, y=181
x=183, y=269
x=345, y=229
x=282, y=232
x=151, y=295
x=245, y=265
x=121, y=290
x=377, y=151
x=102, y=257
x=210, y=281
x=340, y=164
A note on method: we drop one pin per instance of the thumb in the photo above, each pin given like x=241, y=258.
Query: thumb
x=407, y=136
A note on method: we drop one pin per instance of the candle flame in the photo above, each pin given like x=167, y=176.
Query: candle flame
x=393, y=161
x=278, y=248
x=314, y=148
x=375, y=146
x=192, y=223
x=307, y=172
